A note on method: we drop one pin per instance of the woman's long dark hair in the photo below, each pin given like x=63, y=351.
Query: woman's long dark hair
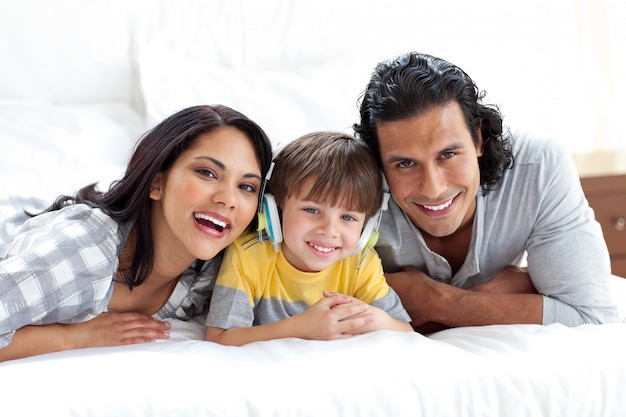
x=127, y=200
x=414, y=83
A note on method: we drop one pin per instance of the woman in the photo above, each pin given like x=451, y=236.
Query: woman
x=146, y=250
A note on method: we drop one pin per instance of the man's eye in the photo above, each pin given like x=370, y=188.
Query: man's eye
x=405, y=164
x=448, y=155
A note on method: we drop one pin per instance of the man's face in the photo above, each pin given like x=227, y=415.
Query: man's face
x=431, y=165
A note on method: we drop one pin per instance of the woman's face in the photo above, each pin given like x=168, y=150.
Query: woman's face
x=207, y=198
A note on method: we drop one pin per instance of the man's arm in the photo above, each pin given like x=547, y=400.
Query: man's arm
x=509, y=298
x=567, y=255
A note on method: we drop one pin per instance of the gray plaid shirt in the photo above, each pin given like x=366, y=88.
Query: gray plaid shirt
x=59, y=267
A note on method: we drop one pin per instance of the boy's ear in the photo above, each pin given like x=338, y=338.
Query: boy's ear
x=155, y=187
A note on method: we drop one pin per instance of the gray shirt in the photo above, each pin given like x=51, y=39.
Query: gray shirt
x=540, y=211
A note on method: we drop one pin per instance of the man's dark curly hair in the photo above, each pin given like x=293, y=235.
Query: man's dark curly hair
x=414, y=83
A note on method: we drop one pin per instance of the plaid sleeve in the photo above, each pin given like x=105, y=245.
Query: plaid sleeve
x=56, y=268
x=191, y=295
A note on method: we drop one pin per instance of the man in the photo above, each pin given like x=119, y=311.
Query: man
x=470, y=201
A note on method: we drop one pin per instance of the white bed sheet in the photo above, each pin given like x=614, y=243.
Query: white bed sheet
x=515, y=370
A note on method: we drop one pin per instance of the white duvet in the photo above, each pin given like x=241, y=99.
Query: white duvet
x=499, y=371
x=504, y=371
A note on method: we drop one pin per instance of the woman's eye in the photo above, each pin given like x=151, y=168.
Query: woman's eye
x=249, y=188
x=207, y=173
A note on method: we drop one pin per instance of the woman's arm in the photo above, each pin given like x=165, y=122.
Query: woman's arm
x=108, y=329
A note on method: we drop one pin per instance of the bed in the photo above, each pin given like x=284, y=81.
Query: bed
x=81, y=80
x=516, y=370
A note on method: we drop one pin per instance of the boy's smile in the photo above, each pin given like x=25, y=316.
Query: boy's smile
x=316, y=235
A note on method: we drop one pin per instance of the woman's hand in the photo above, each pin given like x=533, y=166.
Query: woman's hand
x=107, y=329
x=115, y=329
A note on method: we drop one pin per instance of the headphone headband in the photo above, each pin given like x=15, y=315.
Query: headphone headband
x=268, y=217
x=269, y=220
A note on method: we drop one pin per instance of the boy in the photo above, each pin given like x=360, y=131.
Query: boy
x=318, y=283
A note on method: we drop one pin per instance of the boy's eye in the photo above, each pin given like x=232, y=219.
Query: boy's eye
x=348, y=218
x=311, y=210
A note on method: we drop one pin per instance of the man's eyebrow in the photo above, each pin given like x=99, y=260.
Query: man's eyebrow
x=448, y=148
x=221, y=166
x=453, y=146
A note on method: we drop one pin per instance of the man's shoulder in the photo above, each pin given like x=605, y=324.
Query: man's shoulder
x=529, y=149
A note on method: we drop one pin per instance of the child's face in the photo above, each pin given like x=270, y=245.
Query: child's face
x=316, y=235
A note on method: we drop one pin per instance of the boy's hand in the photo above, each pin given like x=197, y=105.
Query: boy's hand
x=335, y=316
x=381, y=319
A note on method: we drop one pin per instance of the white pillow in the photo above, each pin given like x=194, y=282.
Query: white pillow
x=48, y=150
x=65, y=51
x=285, y=103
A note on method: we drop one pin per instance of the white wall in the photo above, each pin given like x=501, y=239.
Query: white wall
x=555, y=67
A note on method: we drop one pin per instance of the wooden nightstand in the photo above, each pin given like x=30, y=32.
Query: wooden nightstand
x=607, y=197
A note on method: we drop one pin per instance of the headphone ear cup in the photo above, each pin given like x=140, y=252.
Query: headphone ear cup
x=370, y=233
x=367, y=233
x=260, y=221
x=272, y=219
